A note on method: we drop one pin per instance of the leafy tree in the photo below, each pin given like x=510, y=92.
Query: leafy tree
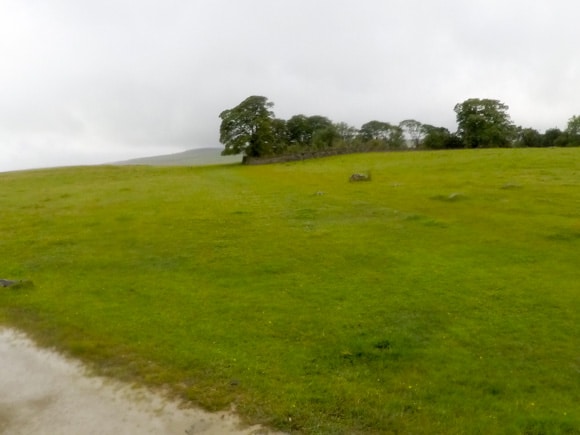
x=383, y=133
x=528, y=137
x=396, y=138
x=280, y=136
x=564, y=140
x=301, y=128
x=551, y=137
x=247, y=128
x=324, y=137
x=321, y=131
x=555, y=137
x=434, y=138
x=573, y=131
x=318, y=122
x=574, y=126
x=346, y=133
x=298, y=130
x=414, y=130
x=375, y=130
x=453, y=142
x=484, y=123
x=438, y=138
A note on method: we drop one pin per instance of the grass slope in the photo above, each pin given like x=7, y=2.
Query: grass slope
x=441, y=297
x=195, y=157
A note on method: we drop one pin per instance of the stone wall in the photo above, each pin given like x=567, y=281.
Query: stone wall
x=303, y=156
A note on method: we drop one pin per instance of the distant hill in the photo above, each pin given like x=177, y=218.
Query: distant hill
x=195, y=157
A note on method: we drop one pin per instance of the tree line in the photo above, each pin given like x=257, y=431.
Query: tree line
x=252, y=129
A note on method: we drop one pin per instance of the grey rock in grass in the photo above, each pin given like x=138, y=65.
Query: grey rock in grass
x=360, y=177
x=15, y=284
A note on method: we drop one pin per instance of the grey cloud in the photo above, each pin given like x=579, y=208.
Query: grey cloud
x=97, y=80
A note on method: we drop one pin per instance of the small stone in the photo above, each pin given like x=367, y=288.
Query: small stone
x=359, y=177
x=15, y=284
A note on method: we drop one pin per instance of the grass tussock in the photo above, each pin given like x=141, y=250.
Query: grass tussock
x=313, y=304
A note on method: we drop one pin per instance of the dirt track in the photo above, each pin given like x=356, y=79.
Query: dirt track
x=43, y=393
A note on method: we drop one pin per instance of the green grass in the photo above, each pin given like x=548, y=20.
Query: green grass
x=441, y=297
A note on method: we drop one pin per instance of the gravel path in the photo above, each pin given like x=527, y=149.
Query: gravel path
x=43, y=393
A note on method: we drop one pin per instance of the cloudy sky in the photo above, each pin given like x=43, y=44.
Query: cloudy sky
x=93, y=81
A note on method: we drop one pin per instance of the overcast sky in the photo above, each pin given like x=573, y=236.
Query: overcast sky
x=93, y=81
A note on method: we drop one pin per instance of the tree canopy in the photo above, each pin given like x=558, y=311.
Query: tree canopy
x=302, y=128
x=247, y=128
x=251, y=129
x=391, y=136
x=414, y=130
x=573, y=131
x=484, y=123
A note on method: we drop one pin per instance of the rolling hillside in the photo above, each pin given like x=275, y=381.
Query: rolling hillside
x=194, y=157
x=440, y=297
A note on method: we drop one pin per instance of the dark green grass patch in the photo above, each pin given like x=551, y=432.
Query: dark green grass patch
x=431, y=299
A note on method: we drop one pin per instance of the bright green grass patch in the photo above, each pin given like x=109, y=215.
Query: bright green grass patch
x=441, y=297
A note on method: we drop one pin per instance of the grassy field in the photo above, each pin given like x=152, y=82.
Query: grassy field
x=442, y=297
